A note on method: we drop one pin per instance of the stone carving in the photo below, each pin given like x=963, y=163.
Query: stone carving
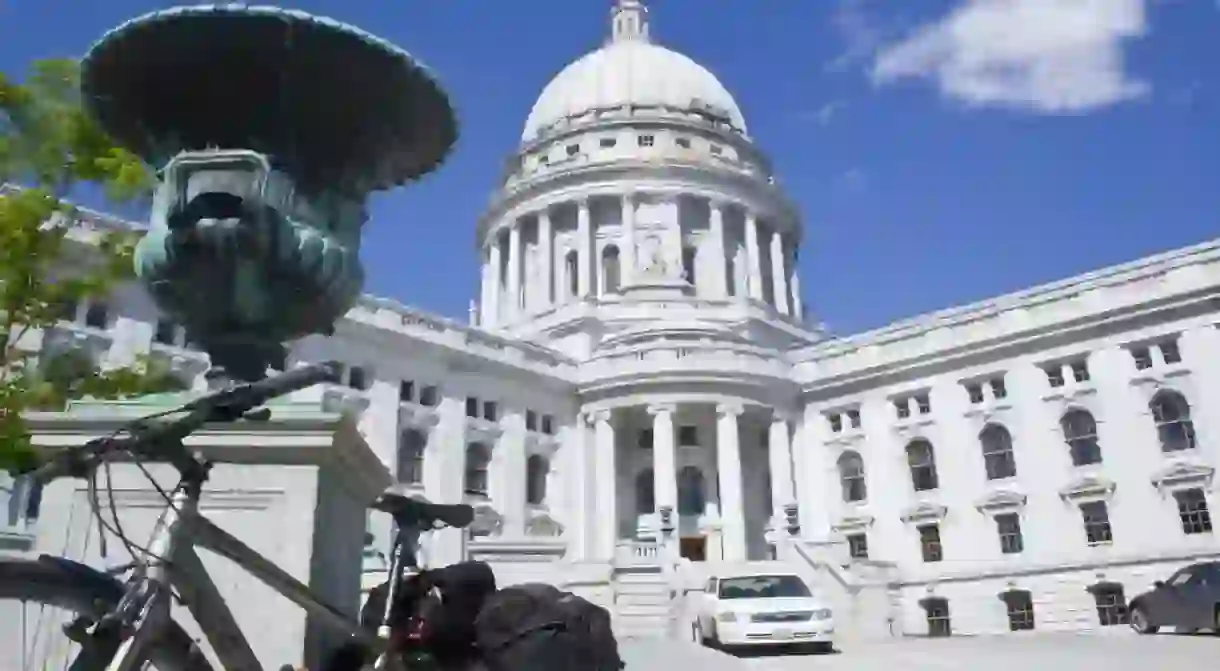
x=487, y=522
x=543, y=524
x=655, y=265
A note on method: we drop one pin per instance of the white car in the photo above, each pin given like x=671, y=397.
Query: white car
x=760, y=609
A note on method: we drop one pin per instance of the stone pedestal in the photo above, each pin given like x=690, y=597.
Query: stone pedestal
x=653, y=288
x=293, y=488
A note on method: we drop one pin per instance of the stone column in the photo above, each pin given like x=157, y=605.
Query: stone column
x=779, y=273
x=514, y=270
x=512, y=475
x=728, y=467
x=664, y=461
x=491, y=311
x=720, y=280
x=577, y=446
x=546, y=249
x=584, y=261
x=627, y=260
x=798, y=307
x=753, y=259
x=779, y=456
x=606, y=467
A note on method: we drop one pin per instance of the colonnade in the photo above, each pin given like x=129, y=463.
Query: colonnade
x=602, y=426
x=503, y=294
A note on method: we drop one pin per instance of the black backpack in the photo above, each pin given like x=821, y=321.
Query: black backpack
x=536, y=627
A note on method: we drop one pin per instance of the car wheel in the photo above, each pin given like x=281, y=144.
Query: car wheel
x=1140, y=622
x=1216, y=620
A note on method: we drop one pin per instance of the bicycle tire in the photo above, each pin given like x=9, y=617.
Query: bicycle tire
x=76, y=587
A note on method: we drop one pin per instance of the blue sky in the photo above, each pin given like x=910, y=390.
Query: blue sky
x=941, y=151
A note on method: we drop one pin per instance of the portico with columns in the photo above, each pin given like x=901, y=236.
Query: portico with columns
x=708, y=478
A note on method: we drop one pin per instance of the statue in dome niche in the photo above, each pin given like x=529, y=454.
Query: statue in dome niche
x=655, y=266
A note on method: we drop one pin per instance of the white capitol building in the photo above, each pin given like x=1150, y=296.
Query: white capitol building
x=639, y=396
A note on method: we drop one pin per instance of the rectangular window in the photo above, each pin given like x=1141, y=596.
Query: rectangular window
x=531, y=420
x=836, y=422
x=1096, y=522
x=902, y=407
x=975, y=392
x=97, y=316
x=688, y=436
x=853, y=418
x=607, y=142
x=715, y=149
x=857, y=546
x=1054, y=375
x=1020, y=610
x=472, y=407
x=406, y=391
x=1192, y=510
x=645, y=140
x=491, y=411
x=548, y=425
x=1169, y=352
x=682, y=142
x=939, y=625
x=429, y=396
x=923, y=403
x=1008, y=526
x=166, y=333
x=1080, y=371
x=573, y=149
x=929, y=543
x=1142, y=358
x=358, y=379
x=1111, y=604
x=998, y=388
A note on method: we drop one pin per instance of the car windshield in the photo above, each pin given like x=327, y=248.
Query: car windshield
x=762, y=587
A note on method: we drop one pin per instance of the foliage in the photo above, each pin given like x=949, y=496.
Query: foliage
x=49, y=146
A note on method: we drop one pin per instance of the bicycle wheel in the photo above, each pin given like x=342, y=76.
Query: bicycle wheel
x=50, y=594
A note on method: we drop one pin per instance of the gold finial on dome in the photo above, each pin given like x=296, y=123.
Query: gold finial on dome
x=629, y=21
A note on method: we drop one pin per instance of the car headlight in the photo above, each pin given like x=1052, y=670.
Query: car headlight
x=821, y=614
x=727, y=616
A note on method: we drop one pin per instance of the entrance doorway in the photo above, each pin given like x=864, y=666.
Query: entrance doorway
x=693, y=548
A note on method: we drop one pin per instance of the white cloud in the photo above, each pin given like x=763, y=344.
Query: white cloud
x=1047, y=56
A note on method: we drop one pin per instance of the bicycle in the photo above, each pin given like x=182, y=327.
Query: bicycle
x=121, y=626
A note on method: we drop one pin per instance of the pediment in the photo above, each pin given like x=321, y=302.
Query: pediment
x=1001, y=499
x=1087, y=486
x=924, y=511
x=1182, y=474
x=854, y=521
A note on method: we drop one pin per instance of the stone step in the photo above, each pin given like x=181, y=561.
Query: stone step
x=641, y=600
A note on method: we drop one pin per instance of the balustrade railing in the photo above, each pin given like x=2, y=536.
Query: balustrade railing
x=637, y=553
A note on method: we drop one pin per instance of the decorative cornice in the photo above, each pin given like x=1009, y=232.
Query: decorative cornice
x=730, y=409
x=1001, y=500
x=854, y=521
x=924, y=511
x=1085, y=487
x=1183, y=474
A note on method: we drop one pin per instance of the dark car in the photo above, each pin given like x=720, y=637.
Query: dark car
x=1188, y=601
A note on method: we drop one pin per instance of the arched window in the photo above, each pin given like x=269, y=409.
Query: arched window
x=478, y=456
x=691, y=497
x=1174, y=428
x=536, y=469
x=997, y=452
x=922, y=462
x=611, y=276
x=411, y=444
x=644, y=501
x=571, y=264
x=1080, y=432
x=689, y=254
x=851, y=477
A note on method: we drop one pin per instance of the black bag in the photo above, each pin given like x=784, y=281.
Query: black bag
x=535, y=627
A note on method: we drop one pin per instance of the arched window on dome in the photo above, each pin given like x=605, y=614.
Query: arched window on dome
x=611, y=274
x=689, y=254
x=644, y=501
x=571, y=265
x=536, y=470
x=691, y=496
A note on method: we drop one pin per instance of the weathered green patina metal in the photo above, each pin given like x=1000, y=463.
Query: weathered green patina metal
x=272, y=126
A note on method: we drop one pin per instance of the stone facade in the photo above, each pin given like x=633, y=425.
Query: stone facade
x=639, y=392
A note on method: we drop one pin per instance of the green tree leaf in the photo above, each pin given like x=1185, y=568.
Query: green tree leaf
x=48, y=145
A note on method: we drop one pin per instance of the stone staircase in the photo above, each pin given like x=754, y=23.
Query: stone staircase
x=643, y=603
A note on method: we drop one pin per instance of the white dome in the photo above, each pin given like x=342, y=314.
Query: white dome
x=630, y=71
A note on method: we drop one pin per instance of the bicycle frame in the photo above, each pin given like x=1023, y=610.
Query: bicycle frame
x=179, y=530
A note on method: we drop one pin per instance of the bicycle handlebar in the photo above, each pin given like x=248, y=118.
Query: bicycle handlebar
x=156, y=441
